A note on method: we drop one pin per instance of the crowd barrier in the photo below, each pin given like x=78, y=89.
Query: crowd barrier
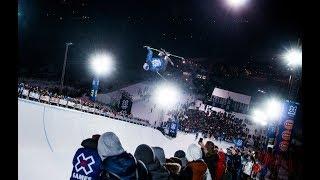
x=31, y=95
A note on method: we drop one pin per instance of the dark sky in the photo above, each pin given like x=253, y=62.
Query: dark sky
x=189, y=28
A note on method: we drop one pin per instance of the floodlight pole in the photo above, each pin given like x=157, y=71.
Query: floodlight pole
x=64, y=66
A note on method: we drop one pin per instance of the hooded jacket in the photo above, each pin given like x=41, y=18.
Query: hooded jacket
x=117, y=164
x=196, y=168
x=155, y=170
x=109, y=145
x=159, y=154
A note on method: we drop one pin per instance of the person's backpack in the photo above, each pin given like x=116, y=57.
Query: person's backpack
x=140, y=171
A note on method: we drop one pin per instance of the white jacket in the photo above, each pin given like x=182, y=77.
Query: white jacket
x=247, y=168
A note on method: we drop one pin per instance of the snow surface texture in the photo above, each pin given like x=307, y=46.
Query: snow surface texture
x=48, y=137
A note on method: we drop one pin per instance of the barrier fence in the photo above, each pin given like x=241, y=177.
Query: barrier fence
x=68, y=103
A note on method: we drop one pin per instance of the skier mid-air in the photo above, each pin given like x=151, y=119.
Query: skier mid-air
x=158, y=63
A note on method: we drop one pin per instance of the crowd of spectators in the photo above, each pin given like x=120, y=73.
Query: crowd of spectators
x=197, y=162
x=220, y=125
x=83, y=101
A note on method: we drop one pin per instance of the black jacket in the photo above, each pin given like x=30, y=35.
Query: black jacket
x=211, y=161
x=157, y=171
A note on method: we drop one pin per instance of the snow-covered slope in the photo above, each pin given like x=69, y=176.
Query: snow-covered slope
x=48, y=137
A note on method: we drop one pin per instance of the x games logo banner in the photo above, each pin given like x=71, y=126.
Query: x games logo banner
x=286, y=124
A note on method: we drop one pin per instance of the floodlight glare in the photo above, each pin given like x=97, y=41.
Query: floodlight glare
x=101, y=63
x=293, y=57
x=166, y=95
x=273, y=109
x=236, y=3
x=259, y=116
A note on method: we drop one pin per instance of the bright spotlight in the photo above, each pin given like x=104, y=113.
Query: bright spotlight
x=273, y=109
x=236, y=3
x=101, y=63
x=259, y=116
x=293, y=57
x=167, y=95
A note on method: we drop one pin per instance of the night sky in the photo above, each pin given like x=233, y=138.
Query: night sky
x=189, y=28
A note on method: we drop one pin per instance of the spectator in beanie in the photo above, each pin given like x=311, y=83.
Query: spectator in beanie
x=182, y=156
x=146, y=154
x=86, y=156
x=172, y=167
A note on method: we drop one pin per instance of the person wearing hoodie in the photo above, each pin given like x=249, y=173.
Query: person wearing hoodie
x=116, y=162
x=156, y=171
x=196, y=168
x=172, y=167
x=182, y=156
x=86, y=161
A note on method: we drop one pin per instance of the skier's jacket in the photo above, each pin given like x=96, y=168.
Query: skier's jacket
x=87, y=162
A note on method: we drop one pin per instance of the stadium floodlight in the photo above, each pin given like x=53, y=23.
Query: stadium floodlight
x=101, y=63
x=236, y=3
x=293, y=57
x=273, y=109
x=166, y=95
x=259, y=116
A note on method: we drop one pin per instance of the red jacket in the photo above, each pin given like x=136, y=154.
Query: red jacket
x=221, y=165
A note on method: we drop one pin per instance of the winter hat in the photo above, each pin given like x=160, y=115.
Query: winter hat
x=109, y=145
x=96, y=137
x=159, y=153
x=193, y=152
x=145, y=154
x=180, y=154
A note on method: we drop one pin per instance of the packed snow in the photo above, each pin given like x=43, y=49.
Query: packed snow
x=48, y=137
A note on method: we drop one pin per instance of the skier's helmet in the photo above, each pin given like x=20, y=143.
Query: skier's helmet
x=146, y=66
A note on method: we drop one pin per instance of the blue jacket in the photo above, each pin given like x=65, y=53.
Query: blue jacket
x=86, y=164
x=156, y=64
x=121, y=166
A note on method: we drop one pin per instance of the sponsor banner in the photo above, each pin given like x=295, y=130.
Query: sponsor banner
x=71, y=104
x=77, y=106
x=125, y=105
x=45, y=98
x=94, y=90
x=54, y=100
x=25, y=92
x=32, y=94
x=63, y=102
x=91, y=109
x=283, y=135
x=85, y=108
